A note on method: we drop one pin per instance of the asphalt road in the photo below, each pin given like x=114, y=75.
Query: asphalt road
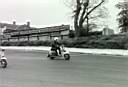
x=33, y=69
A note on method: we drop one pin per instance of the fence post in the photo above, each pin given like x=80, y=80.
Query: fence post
x=38, y=37
x=28, y=37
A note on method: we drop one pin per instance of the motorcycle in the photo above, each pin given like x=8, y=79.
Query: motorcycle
x=64, y=54
x=3, y=61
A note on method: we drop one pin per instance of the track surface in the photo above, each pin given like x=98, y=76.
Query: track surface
x=33, y=69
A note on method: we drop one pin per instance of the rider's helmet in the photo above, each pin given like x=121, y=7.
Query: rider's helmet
x=56, y=39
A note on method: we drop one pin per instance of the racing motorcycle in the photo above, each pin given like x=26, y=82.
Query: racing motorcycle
x=64, y=54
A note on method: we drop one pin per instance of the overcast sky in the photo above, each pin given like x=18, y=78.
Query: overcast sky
x=44, y=12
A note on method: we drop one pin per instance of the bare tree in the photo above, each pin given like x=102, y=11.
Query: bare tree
x=82, y=9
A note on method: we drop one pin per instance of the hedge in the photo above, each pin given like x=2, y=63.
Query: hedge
x=102, y=42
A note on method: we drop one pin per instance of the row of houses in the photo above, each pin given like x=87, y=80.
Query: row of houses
x=25, y=32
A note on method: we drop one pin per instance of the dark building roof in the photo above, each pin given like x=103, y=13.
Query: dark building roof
x=22, y=27
x=8, y=26
x=34, y=31
x=55, y=28
x=14, y=27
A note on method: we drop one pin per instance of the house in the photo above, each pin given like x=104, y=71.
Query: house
x=13, y=27
x=107, y=31
x=27, y=33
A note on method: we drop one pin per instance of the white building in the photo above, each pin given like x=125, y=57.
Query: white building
x=107, y=31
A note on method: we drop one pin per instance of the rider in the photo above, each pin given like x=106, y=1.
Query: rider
x=56, y=45
x=2, y=53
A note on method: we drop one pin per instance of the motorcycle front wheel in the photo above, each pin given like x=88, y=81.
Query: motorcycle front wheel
x=67, y=56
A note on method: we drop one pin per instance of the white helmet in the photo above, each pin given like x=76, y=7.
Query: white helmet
x=56, y=38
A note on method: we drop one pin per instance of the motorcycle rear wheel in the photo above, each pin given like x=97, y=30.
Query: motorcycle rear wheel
x=52, y=58
x=67, y=57
x=3, y=63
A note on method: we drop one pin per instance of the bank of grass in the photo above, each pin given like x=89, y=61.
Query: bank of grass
x=102, y=42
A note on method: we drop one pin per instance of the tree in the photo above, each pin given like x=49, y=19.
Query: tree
x=123, y=16
x=82, y=10
x=71, y=34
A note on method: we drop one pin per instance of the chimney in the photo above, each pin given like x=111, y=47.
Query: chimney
x=14, y=22
x=28, y=24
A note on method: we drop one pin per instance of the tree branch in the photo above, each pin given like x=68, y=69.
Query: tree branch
x=93, y=9
x=77, y=12
x=85, y=4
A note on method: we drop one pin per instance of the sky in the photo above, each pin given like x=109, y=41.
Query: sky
x=43, y=13
x=111, y=21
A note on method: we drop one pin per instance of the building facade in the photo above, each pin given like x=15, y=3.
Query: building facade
x=27, y=33
x=107, y=31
